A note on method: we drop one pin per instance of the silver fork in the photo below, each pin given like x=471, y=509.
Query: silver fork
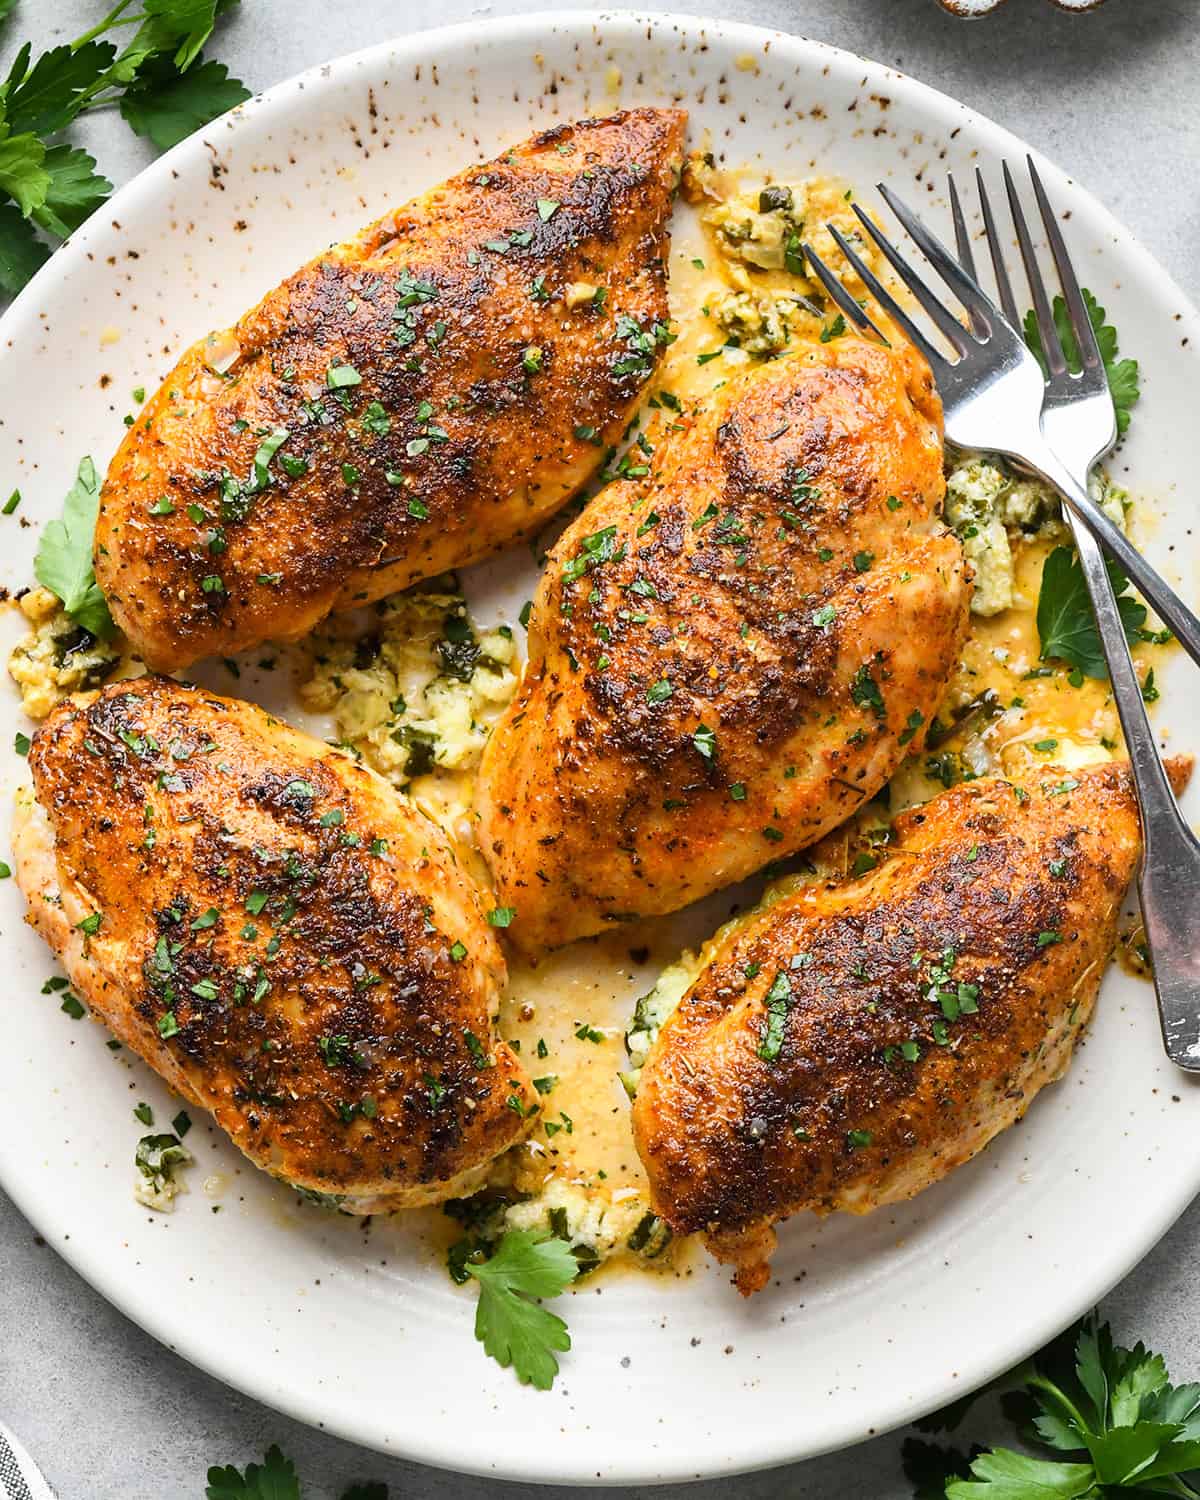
x=992, y=393
x=1077, y=427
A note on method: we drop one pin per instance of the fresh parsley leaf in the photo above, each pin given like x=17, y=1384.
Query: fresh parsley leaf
x=75, y=190
x=64, y=557
x=1066, y=625
x=513, y=1329
x=274, y=1479
x=21, y=252
x=46, y=97
x=164, y=89
x=1003, y=1474
x=1140, y=1434
x=22, y=174
x=1122, y=373
x=167, y=106
x=180, y=25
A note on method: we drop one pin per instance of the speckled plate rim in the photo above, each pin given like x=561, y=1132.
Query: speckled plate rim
x=733, y=1452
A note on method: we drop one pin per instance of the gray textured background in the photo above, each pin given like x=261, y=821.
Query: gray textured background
x=1114, y=97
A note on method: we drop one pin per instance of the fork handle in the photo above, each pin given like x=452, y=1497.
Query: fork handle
x=1169, y=874
x=1167, y=604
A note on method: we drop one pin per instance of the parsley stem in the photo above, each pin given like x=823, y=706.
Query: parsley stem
x=1039, y=1382
x=111, y=19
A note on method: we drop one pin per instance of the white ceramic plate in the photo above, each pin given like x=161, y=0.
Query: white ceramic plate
x=871, y=1322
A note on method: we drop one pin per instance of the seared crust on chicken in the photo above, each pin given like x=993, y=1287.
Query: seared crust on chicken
x=729, y=657
x=407, y=402
x=291, y=945
x=854, y=1042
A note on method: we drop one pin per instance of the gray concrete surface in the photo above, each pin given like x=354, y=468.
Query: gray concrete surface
x=1113, y=96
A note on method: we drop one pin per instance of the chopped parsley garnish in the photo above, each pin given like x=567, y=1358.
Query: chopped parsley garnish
x=915, y=720
x=864, y=690
x=374, y=419
x=705, y=741
x=778, y=1001
x=267, y=450
x=336, y=1050
x=475, y=1047
x=597, y=549
x=501, y=916
x=339, y=377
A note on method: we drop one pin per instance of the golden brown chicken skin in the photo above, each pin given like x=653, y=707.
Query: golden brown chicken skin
x=407, y=402
x=729, y=657
x=291, y=945
x=854, y=1042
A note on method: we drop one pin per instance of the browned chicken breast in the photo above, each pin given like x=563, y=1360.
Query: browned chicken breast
x=728, y=657
x=407, y=402
x=290, y=944
x=854, y=1042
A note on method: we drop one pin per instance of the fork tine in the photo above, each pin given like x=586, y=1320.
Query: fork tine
x=962, y=240
x=857, y=315
x=999, y=266
x=966, y=256
x=936, y=359
x=1051, y=343
x=949, y=325
x=964, y=286
x=1081, y=323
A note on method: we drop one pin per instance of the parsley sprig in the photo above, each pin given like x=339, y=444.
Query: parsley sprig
x=1109, y=1417
x=274, y=1479
x=1066, y=625
x=64, y=557
x=160, y=82
x=1122, y=373
x=512, y=1328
